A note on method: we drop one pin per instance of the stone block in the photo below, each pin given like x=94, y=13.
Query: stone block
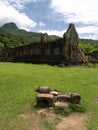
x=75, y=98
x=64, y=97
x=61, y=105
x=44, y=100
x=43, y=89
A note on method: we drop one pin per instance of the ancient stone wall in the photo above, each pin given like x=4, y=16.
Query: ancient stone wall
x=64, y=50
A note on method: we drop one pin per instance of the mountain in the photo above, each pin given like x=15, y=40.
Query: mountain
x=8, y=26
x=14, y=36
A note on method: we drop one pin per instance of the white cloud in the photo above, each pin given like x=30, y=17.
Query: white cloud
x=77, y=10
x=20, y=4
x=10, y=14
x=90, y=36
x=53, y=32
x=88, y=32
x=42, y=24
x=87, y=29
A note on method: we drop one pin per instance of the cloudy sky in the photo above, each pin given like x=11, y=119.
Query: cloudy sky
x=52, y=16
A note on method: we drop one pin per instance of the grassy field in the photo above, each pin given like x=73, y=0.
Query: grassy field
x=18, y=82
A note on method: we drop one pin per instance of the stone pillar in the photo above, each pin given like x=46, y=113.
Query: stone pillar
x=45, y=43
x=71, y=41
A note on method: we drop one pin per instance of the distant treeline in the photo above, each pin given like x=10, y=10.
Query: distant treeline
x=88, y=45
x=17, y=37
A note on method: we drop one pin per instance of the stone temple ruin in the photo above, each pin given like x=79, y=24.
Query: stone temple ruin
x=60, y=51
x=48, y=97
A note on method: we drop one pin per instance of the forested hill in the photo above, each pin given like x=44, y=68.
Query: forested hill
x=88, y=45
x=11, y=35
x=90, y=41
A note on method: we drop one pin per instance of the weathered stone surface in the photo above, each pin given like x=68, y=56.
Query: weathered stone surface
x=43, y=89
x=64, y=97
x=61, y=105
x=95, y=54
x=44, y=38
x=71, y=34
x=48, y=97
x=44, y=100
x=61, y=65
x=81, y=56
x=71, y=40
x=55, y=93
x=75, y=98
x=73, y=53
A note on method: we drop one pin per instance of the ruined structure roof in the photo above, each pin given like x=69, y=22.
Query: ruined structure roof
x=45, y=38
x=71, y=32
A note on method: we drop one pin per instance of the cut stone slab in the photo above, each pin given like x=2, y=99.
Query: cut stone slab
x=61, y=105
x=44, y=100
x=64, y=97
x=75, y=98
x=43, y=89
x=55, y=93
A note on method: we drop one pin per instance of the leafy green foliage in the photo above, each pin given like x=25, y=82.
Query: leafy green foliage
x=88, y=48
x=77, y=108
x=63, y=112
x=88, y=45
x=72, y=108
x=12, y=36
x=53, y=37
x=16, y=37
x=90, y=41
x=1, y=45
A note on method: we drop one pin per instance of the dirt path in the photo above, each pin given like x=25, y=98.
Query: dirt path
x=96, y=100
x=34, y=121
x=75, y=121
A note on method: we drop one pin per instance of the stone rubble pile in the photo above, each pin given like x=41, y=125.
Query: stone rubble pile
x=48, y=97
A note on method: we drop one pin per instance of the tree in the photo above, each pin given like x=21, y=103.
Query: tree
x=1, y=45
x=87, y=47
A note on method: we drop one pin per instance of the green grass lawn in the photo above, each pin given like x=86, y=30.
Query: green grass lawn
x=18, y=82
